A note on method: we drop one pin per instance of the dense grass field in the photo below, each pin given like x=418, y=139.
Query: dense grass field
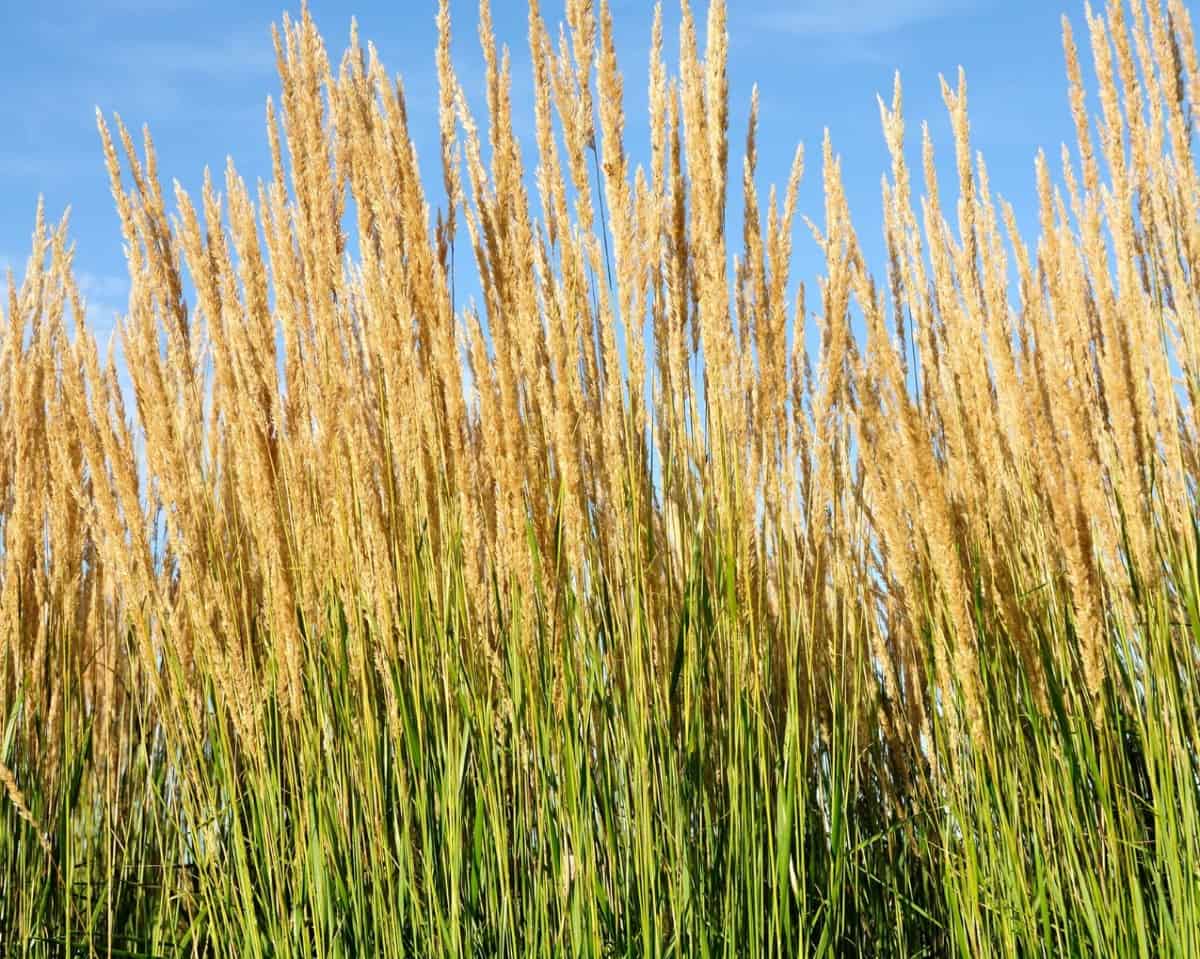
x=648, y=609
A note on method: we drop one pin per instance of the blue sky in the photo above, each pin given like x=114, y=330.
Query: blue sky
x=198, y=73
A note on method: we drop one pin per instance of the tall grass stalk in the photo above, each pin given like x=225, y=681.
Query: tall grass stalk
x=645, y=607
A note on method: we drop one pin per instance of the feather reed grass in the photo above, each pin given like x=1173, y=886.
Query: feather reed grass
x=647, y=606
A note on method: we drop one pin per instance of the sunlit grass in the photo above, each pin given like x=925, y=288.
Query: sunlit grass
x=374, y=623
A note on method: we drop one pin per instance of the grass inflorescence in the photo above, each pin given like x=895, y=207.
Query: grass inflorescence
x=648, y=605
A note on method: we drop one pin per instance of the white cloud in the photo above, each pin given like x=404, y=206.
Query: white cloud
x=240, y=52
x=103, y=286
x=849, y=18
x=146, y=7
x=15, y=264
x=21, y=165
x=104, y=297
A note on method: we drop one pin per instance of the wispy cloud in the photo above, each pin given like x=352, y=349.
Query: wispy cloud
x=147, y=7
x=104, y=296
x=102, y=285
x=858, y=18
x=232, y=61
x=239, y=53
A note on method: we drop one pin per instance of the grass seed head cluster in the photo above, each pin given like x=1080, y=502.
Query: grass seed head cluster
x=643, y=473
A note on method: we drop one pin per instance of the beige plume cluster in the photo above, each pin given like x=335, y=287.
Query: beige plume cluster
x=998, y=434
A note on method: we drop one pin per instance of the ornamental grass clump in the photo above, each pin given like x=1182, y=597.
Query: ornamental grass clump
x=651, y=602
